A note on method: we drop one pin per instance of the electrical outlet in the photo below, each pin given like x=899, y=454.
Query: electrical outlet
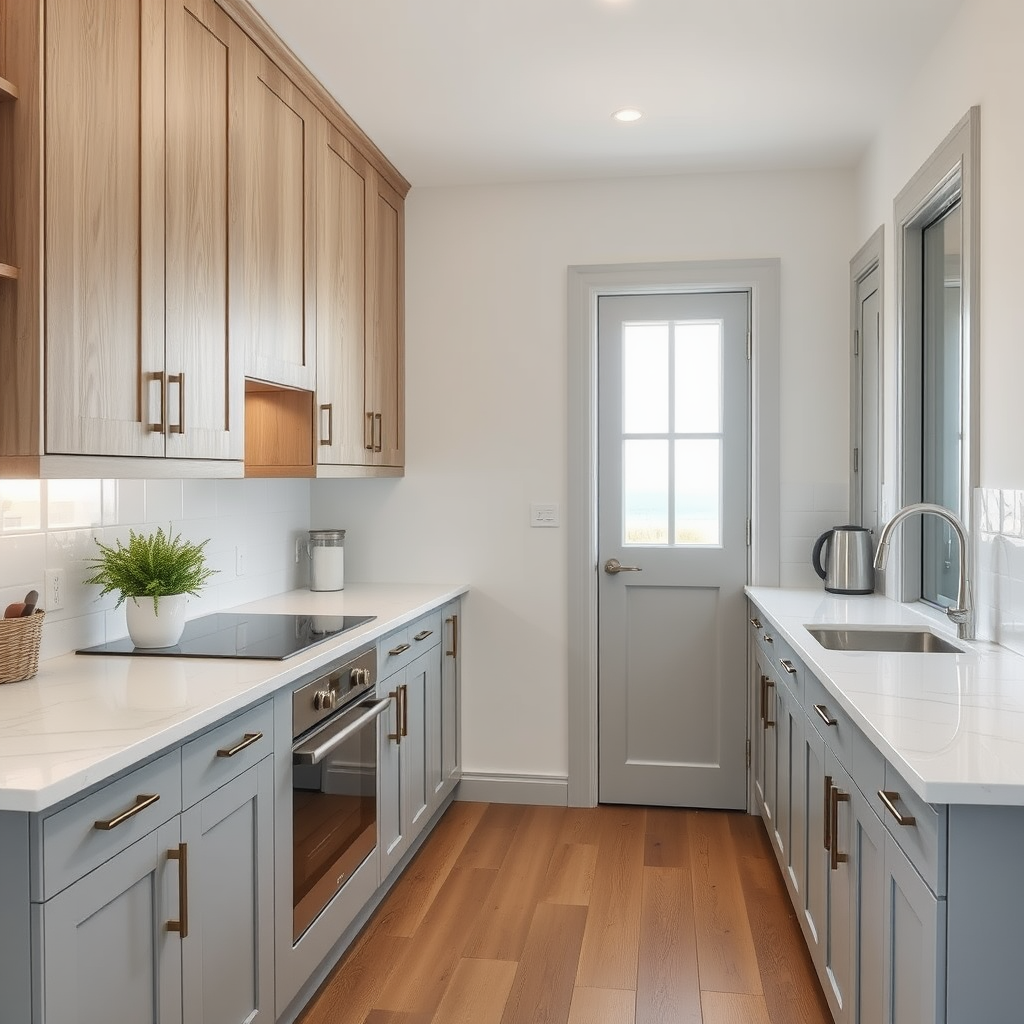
x=54, y=579
x=544, y=514
x=240, y=561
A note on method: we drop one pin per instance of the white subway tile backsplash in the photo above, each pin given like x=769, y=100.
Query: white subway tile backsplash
x=999, y=570
x=54, y=525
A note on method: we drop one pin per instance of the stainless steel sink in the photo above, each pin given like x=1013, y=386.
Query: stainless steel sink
x=859, y=638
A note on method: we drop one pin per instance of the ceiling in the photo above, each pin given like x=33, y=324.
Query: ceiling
x=460, y=92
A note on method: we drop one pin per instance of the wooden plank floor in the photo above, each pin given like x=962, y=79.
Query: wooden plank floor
x=615, y=915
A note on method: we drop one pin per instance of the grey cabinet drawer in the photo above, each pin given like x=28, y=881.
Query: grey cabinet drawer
x=223, y=753
x=923, y=841
x=401, y=647
x=786, y=667
x=74, y=840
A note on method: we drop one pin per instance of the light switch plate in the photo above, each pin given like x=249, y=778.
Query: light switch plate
x=544, y=514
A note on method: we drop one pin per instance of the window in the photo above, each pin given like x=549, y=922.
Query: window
x=937, y=274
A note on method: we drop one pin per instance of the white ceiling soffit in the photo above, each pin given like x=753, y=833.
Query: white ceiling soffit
x=481, y=91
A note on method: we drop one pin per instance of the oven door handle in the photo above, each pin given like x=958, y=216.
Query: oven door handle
x=317, y=747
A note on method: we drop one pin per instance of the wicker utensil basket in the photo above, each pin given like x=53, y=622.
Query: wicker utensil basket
x=19, y=647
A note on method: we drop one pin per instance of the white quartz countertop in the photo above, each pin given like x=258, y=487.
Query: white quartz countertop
x=951, y=724
x=82, y=720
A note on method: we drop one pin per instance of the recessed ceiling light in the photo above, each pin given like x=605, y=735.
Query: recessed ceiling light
x=628, y=114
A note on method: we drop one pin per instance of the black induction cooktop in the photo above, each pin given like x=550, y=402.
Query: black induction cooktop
x=237, y=635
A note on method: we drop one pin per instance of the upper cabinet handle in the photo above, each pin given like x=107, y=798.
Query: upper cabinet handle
x=179, y=379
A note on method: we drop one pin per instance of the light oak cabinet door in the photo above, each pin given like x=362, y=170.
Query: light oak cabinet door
x=107, y=953
x=342, y=191
x=104, y=226
x=228, y=954
x=273, y=236
x=204, y=381
x=385, y=346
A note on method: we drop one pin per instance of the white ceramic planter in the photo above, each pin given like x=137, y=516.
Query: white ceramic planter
x=152, y=627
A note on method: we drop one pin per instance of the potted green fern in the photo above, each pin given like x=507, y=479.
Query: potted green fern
x=154, y=573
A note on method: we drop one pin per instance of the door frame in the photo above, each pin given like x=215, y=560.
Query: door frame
x=586, y=284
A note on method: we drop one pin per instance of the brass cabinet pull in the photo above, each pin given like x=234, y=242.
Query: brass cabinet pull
x=400, y=649
x=368, y=445
x=828, y=807
x=889, y=798
x=454, y=652
x=141, y=803
x=379, y=432
x=769, y=683
x=329, y=409
x=160, y=426
x=423, y=634
x=181, y=856
x=768, y=639
x=788, y=666
x=405, y=710
x=248, y=739
x=824, y=715
x=179, y=379
x=764, y=679
x=755, y=622
x=837, y=858
x=396, y=694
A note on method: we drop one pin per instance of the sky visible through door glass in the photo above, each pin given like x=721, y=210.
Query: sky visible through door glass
x=672, y=433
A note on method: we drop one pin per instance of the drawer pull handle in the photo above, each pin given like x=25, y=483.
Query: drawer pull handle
x=837, y=858
x=755, y=622
x=788, y=666
x=454, y=652
x=141, y=803
x=827, y=815
x=400, y=649
x=889, y=798
x=423, y=634
x=181, y=856
x=247, y=741
x=824, y=715
x=768, y=639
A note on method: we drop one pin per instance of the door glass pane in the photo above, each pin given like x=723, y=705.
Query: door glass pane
x=645, y=378
x=698, y=403
x=698, y=516
x=645, y=490
x=941, y=450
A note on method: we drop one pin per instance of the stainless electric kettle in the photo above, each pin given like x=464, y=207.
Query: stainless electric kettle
x=848, y=565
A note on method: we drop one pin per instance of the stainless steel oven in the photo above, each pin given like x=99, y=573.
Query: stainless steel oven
x=334, y=783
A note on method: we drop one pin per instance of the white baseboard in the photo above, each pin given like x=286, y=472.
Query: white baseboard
x=550, y=790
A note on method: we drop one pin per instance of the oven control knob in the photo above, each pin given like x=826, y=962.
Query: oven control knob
x=323, y=700
x=358, y=676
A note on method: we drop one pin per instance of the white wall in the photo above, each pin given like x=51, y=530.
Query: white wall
x=52, y=525
x=978, y=61
x=486, y=407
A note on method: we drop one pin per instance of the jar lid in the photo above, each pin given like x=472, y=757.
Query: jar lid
x=327, y=536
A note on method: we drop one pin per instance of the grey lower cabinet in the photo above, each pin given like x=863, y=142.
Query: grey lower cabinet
x=868, y=882
x=143, y=911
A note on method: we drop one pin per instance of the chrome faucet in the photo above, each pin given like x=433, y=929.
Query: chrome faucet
x=963, y=614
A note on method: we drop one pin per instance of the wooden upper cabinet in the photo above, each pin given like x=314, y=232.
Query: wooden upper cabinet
x=385, y=344
x=342, y=190
x=273, y=177
x=203, y=369
x=104, y=224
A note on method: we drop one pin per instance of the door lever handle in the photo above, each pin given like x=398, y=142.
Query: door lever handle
x=613, y=566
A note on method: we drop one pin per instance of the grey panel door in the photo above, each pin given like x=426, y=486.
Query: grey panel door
x=673, y=484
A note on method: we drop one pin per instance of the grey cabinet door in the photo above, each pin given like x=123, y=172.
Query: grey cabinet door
x=392, y=834
x=796, y=799
x=840, y=883
x=107, y=954
x=227, y=955
x=813, y=904
x=422, y=676
x=914, y=945
x=867, y=848
x=451, y=696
